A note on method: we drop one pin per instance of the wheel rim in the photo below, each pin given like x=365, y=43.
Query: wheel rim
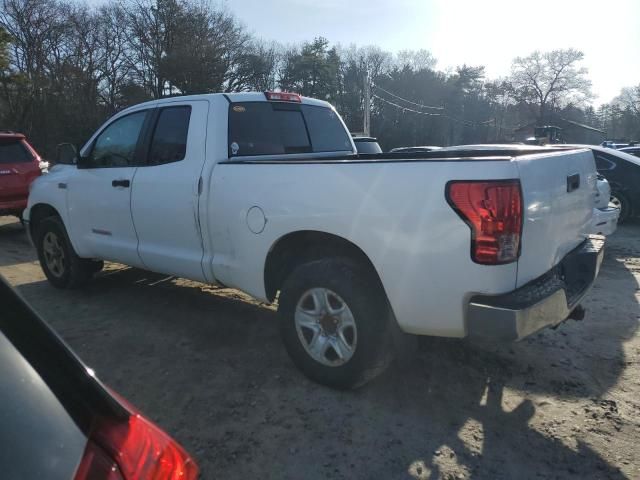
x=615, y=202
x=53, y=254
x=326, y=327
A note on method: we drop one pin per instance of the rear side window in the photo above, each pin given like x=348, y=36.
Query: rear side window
x=169, y=142
x=13, y=151
x=270, y=128
x=603, y=162
x=327, y=132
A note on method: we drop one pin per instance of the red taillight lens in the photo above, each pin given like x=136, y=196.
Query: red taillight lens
x=283, y=97
x=134, y=450
x=493, y=211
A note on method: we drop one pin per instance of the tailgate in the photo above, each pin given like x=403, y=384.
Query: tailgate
x=559, y=191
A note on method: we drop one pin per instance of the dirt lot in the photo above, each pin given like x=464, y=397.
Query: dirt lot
x=207, y=364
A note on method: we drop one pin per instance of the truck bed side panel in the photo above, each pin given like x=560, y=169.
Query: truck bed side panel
x=395, y=212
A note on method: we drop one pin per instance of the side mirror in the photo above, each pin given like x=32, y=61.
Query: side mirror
x=67, y=154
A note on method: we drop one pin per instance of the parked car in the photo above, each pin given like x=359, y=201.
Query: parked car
x=622, y=170
x=635, y=150
x=266, y=193
x=617, y=146
x=605, y=216
x=20, y=164
x=367, y=145
x=59, y=422
x=423, y=148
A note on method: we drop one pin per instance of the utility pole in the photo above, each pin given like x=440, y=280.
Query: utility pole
x=367, y=105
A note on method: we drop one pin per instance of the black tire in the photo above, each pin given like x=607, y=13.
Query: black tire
x=624, y=204
x=362, y=293
x=71, y=271
x=95, y=266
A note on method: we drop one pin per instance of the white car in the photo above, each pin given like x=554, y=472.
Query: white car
x=265, y=192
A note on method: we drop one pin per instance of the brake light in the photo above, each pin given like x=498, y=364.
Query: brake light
x=493, y=211
x=283, y=97
x=134, y=449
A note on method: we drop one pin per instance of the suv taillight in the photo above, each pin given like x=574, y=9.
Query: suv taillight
x=134, y=449
x=493, y=211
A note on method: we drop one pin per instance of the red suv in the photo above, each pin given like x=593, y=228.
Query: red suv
x=20, y=164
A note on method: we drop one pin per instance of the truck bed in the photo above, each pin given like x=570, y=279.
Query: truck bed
x=433, y=156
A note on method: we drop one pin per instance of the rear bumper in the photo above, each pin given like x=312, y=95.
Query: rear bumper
x=543, y=302
x=605, y=221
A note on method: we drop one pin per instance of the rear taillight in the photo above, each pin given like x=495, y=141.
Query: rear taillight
x=134, y=449
x=283, y=97
x=493, y=211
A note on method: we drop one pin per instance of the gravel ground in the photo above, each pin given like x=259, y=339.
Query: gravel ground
x=207, y=364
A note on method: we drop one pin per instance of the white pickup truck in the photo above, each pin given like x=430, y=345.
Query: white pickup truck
x=265, y=192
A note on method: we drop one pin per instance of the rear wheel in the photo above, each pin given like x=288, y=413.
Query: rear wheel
x=335, y=322
x=619, y=200
x=60, y=263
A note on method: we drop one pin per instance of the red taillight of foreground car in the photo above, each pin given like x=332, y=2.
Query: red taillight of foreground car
x=493, y=211
x=134, y=450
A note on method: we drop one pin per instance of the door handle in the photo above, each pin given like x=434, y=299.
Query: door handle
x=573, y=182
x=121, y=183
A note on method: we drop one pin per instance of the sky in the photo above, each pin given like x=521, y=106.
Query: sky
x=482, y=32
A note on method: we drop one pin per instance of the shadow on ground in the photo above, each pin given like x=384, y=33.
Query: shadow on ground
x=208, y=366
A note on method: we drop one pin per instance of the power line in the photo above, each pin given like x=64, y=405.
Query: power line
x=405, y=100
x=406, y=109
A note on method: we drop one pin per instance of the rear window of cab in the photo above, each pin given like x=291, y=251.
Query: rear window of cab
x=14, y=151
x=280, y=128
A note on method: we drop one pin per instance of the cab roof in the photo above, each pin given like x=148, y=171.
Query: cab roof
x=231, y=97
x=11, y=135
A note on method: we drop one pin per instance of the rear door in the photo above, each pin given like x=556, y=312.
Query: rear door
x=166, y=190
x=559, y=191
x=18, y=168
x=99, y=194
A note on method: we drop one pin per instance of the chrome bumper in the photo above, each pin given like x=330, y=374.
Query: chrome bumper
x=543, y=302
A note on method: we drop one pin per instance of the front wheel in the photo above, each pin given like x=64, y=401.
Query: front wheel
x=60, y=263
x=335, y=322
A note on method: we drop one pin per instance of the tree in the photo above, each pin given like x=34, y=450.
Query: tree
x=415, y=60
x=311, y=70
x=546, y=80
x=5, y=74
x=4, y=51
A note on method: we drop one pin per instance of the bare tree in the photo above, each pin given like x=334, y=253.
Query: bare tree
x=546, y=80
x=629, y=98
x=415, y=60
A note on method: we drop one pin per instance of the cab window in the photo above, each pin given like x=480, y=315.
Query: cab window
x=169, y=142
x=603, y=162
x=116, y=145
x=274, y=128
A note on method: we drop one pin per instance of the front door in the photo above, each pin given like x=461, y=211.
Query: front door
x=99, y=194
x=166, y=191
